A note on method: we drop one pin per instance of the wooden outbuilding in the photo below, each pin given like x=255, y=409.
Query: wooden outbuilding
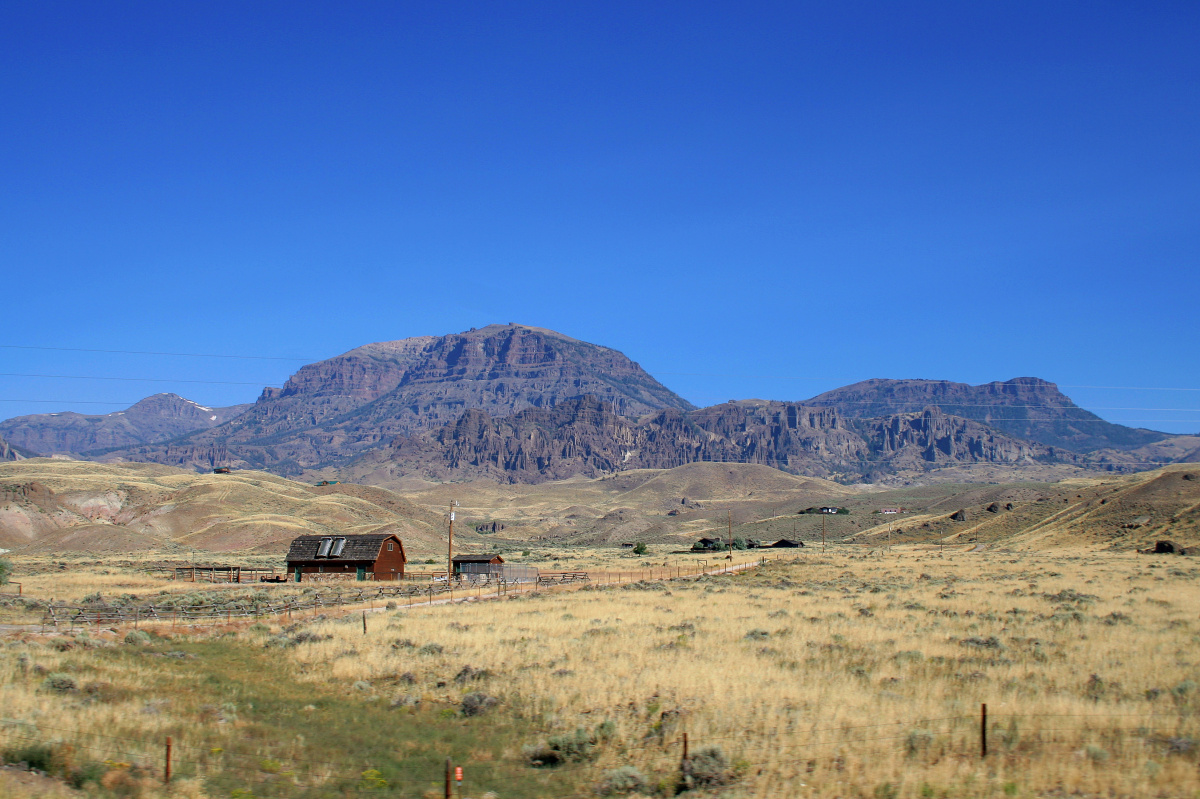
x=380, y=555
x=785, y=543
x=478, y=564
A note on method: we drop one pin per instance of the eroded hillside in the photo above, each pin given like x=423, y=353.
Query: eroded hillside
x=71, y=506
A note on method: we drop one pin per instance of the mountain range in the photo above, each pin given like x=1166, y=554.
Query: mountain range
x=160, y=417
x=523, y=404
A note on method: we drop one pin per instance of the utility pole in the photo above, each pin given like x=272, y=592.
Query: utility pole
x=450, y=544
x=891, y=513
x=822, y=533
x=729, y=518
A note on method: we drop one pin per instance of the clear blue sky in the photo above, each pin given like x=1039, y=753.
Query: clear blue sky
x=750, y=199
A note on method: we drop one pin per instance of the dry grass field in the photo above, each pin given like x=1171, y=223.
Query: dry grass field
x=844, y=675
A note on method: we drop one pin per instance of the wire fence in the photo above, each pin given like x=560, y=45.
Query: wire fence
x=1012, y=738
x=462, y=588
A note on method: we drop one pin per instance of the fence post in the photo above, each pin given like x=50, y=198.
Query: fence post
x=167, y=764
x=983, y=730
x=449, y=793
x=364, y=622
x=683, y=761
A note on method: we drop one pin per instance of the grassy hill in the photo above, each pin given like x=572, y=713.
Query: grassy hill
x=49, y=506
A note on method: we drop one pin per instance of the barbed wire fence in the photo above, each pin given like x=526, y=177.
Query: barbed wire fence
x=1007, y=737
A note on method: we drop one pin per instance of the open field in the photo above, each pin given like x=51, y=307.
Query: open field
x=842, y=675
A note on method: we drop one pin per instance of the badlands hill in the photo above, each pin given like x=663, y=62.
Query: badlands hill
x=157, y=418
x=332, y=411
x=57, y=506
x=675, y=507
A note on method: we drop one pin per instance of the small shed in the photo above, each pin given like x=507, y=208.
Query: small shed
x=785, y=543
x=478, y=564
x=379, y=554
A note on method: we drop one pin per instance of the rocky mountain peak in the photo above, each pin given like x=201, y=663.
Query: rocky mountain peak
x=333, y=410
x=1024, y=407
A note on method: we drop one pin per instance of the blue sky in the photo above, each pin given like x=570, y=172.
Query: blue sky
x=749, y=199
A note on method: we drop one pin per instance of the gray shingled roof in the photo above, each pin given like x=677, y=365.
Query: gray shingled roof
x=358, y=547
x=476, y=558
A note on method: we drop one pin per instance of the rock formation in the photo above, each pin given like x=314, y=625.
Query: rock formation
x=158, y=418
x=1025, y=407
x=332, y=411
x=584, y=436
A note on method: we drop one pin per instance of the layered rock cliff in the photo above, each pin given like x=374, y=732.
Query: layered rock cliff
x=585, y=437
x=332, y=411
x=1025, y=407
x=158, y=418
x=10, y=453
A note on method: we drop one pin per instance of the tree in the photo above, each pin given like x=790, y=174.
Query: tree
x=5, y=571
x=639, y=548
x=739, y=543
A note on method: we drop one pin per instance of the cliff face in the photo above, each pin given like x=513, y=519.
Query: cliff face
x=8, y=453
x=157, y=418
x=584, y=437
x=1025, y=407
x=332, y=411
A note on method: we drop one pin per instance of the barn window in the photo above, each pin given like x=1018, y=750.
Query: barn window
x=338, y=546
x=323, y=549
x=391, y=546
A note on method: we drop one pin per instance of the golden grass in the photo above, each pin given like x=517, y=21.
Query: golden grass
x=842, y=675
x=846, y=676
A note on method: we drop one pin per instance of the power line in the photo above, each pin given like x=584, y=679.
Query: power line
x=143, y=379
x=172, y=354
x=910, y=380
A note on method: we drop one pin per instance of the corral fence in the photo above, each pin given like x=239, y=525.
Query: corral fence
x=827, y=752
x=222, y=574
x=58, y=615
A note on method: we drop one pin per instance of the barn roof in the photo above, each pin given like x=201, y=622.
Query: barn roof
x=485, y=558
x=358, y=547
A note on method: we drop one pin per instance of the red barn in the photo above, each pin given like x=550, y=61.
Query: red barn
x=380, y=554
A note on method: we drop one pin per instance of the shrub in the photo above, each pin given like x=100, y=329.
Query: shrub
x=137, y=637
x=59, y=683
x=639, y=548
x=557, y=749
x=477, y=703
x=430, y=649
x=917, y=741
x=708, y=767
x=38, y=756
x=5, y=571
x=622, y=780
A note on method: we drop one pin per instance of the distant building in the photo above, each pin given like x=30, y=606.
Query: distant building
x=478, y=564
x=785, y=543
x=380, y=555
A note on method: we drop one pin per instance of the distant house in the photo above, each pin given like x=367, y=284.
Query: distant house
x=785, y=543
x=708, y=543
x=478, y=564
x=380, y=555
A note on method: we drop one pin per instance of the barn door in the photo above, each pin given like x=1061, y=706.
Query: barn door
x=298, y=572
x=362, y=572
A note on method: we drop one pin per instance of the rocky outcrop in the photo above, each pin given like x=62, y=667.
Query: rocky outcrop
x=158, y=418
x=332, y=411
x=585, y=437
x=1025, y=407
x=10, y=453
